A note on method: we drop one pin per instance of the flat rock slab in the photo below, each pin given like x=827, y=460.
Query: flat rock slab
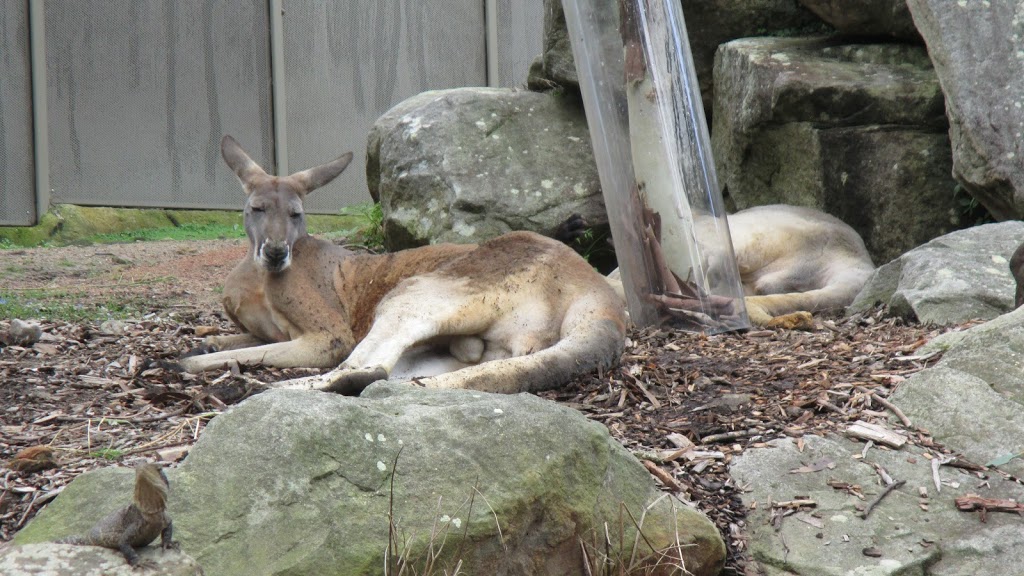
x=960, y=276
x=973, y=399
x=900, y=536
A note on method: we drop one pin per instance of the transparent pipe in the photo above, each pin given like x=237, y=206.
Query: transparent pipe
x=653, y=153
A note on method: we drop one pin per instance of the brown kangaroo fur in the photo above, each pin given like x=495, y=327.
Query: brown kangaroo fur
x=520, y=312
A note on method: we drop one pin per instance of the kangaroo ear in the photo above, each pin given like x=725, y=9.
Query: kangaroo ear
x=316, y=177
x=240, y=163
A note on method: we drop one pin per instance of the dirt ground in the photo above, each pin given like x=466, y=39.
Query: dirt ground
x=91, y=394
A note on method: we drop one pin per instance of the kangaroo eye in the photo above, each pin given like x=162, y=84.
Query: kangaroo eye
x=297, y=215
x=257, y=209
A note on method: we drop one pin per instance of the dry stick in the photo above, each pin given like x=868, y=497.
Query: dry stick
x=935, y=474
x=795, y=504
x=983, y=505
x=823, y=403
x=28, y=509
x=586, y=558
x=725, y=436
x=889, y=405
x=886, y=479
x=661, y=475
x=888, y=489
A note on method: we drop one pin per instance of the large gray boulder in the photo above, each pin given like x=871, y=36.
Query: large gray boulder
x=709, y=23
x=961, y=276
x=972, y=400
x=856, y=130
x=976, y=48
x=292, y=482
x=905, y=533
x=870, y=18
x=468, y=164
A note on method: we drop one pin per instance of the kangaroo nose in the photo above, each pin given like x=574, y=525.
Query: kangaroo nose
x=275, y=256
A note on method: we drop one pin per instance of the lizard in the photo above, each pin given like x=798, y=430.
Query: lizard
x=137, y=524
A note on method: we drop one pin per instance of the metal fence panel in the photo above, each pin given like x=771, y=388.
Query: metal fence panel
x=140, y=92
x=346, y=63
x=17, y=176
x=520, y=40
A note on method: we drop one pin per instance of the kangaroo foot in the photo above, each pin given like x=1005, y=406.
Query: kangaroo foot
x=349, y=382
x=792, y=321
x=352, y=382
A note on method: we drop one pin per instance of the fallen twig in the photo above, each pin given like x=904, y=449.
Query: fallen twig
x=666, y=480
x=889, y=405
x=983, y=505
x=885, y=492
x=726, y=436
x=794, y=504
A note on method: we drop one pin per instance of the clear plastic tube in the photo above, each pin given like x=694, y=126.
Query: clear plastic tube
x=653, y=152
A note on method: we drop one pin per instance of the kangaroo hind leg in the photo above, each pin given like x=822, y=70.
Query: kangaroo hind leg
x=403, y=321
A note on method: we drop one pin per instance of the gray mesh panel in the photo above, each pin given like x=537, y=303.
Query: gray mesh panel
x=520, y=39
x=140, y=92
x=346, y=63
x=17, y=179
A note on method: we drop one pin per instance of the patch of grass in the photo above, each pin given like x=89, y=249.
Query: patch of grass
x=368, y=225
x=68, y=306
x=107, y=454
x=183, y=232
x=68, y=224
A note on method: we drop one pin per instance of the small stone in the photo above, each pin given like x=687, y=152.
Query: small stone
x=872, y=552
x=22, y=333
x=113, y=327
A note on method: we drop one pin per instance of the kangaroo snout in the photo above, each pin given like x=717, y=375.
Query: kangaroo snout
x=274, y=256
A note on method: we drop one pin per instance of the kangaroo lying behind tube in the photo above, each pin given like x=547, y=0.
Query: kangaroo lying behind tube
x=520, y=312
x=794, y=260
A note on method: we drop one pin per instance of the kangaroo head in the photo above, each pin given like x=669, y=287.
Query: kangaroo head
x=273, y=214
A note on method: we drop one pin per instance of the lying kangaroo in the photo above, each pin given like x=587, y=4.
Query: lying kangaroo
x=520, y=312
x=793, y=259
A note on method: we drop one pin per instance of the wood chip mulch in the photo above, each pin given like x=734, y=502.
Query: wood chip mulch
x=88, y=396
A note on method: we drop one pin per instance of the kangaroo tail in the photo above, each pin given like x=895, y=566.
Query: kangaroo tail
x=592, y=337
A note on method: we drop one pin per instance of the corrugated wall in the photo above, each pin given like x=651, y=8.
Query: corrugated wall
x=345, y=65
x=140, y=91
x=17, y=168
x=520, y=38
